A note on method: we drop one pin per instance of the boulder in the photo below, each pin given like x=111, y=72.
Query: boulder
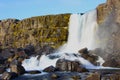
x=29, y=50
x=33, y=72
x=8, y=76
x=17, y=68
x=45, y=50
x=2, y=60
x=67, y=65
x=54, y=76
x=88, y=55
x=50, y=69
x=93, y=76
x=2, y=69
x=111, y=77
x=84, y=50
x=6, y=53
x=112, y=60
x=76, y=77
x=18, y=56
x=21, y=53
x=111, y=63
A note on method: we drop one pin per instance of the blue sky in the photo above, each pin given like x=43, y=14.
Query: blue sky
x=21, y=9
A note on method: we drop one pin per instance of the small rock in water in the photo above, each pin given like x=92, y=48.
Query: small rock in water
x=93, y=76
x=76, y=77
x=17, y=68
x=2, y=69
x=33, y=72
x=111, y=77
x=50, y=69
x=53, y=56
x=88, y=55
x=54, y=76
x=84, y=50
x=8, y=75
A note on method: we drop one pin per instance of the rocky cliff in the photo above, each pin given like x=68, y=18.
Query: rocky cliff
x=42, y=30
x=108, y=18
x=111, y=7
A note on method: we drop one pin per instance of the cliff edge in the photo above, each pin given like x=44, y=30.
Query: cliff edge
x=42, y=30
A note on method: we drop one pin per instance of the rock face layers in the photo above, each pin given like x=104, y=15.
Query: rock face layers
x=108, y=18
x=110, y=7
x=43, y=30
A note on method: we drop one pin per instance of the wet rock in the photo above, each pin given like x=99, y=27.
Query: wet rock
x=6, y=53
x=29, y=50
x=54, y=76
x=17, y=68
x=88, y=55
x=76, y=77
x=33, y=72
x=18, y=56
x=50, y=69
x=2, y=69
x=2, y=60
x=93, y=76
x=21, y=53
x=43, y=30
x=45, y=50
x=111, y=63
x=66, y=65
x=112, y=60
x=84, y=50
x=111, y=77
x=109, y=21
x=53, y=56
x=8, y=76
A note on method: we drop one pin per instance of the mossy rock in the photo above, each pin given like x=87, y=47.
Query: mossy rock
x=42, y=30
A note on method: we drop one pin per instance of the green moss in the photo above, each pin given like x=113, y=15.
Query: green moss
x=42, y=30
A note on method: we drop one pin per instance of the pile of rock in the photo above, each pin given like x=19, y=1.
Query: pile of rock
x=89, y=55
x=112, y=60
x=67, y=65
x=16, y=69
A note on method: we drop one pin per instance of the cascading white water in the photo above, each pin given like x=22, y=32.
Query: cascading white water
x=73, y=42
x=34, y=64
x=81, y=34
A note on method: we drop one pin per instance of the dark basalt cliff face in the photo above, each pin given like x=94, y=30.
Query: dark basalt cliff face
x=111, y=7
x=42, y=30
x=108, y=18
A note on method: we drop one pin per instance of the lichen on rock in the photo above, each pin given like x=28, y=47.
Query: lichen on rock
x=41, y=30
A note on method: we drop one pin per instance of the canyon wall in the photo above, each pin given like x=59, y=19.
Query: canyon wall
x=42, y=30
x=108, y=18
x=111, y=7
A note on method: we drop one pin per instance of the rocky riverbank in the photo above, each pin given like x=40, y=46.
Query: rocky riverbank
x=64, y=69
x=106, y=74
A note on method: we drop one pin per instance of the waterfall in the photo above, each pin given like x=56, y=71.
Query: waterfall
x=81, y=34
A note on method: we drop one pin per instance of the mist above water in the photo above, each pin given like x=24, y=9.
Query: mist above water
x=82, y=30
x=82, y=33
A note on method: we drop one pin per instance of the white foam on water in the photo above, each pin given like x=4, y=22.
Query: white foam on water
x=34, y=64
x=82, y=30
